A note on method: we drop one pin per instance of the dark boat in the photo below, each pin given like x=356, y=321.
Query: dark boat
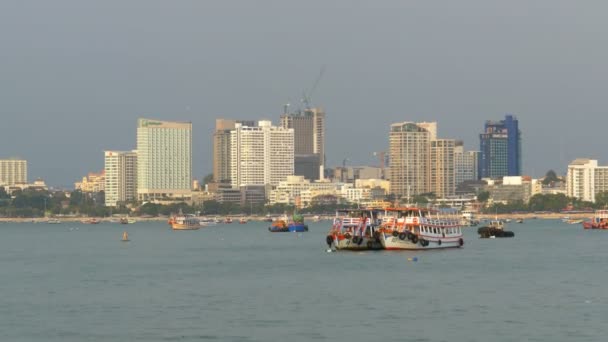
x=494, y=230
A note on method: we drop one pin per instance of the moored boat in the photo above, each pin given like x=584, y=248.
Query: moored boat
x=495, y=229
x=91, y=221
x=598, y=221
x=53, y=221
x=414, y=228
x=354, y=229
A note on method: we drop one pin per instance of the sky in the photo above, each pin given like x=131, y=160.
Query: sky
x=75, y=75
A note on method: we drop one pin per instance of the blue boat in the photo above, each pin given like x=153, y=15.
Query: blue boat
x=297, y=227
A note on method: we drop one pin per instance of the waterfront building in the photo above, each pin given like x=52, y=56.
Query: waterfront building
x=261, y=155
x=442, y=175
x=309, y=139
x=221, y=148
x=13, y=171
x=409, y=150
x=120, y=177
x=164, y=160
x=500, y=146
x=91, y=183
x=466, y=164
x=586, y=179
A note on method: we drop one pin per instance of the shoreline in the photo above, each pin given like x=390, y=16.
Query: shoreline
x=525, y=216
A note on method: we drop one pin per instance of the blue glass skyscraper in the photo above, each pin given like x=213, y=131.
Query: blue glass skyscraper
x=500, y=146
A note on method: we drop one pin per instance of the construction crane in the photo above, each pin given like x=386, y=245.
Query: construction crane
x=306, y=95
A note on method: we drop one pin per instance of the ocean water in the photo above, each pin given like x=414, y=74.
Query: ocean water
x=74, y=282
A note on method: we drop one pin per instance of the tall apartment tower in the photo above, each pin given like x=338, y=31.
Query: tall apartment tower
x=466, y=164
x=309, y=140
x=500, y=146
x=586, y=179
x=164, y=159
x=221, y=148
x=121, y=177
x=442, y=171
x=13, y=171
x=261, y=155
x=409, y=151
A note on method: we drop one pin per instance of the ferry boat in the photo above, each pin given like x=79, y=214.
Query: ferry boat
x=598, y=221
x=355, y=229
x=413, y=228
x=184, y=222
x=493, y=230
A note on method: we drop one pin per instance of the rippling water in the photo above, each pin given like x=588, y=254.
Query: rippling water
x=73, y=282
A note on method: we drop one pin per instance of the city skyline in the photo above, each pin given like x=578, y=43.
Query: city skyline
x=76, y=83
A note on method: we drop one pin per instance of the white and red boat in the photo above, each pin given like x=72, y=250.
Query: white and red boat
x=598, y=221
x=419, y=229
x=355, y=229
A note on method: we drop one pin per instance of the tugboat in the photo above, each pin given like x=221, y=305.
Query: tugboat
x=495, y=229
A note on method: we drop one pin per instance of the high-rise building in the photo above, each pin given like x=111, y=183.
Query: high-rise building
x=586, y=179
x=221, y=148
x=261, y=155
x=121, y=177
x=13, y=171
x=466, y=164
x=309, y=136
x=500, y=146
x=409, y=151
x=164, y=160
x=92, y=182
x=442, y=168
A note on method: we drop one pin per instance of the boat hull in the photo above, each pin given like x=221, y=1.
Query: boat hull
x=390, y=242
x=278, y=229
x=297, y=227
x=356, y=243
x=177, y=226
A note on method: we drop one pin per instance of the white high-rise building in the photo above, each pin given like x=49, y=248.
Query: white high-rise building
x=586, y=179
x=409, y=148
x=13, y=171
x=465, y=164
x=120, y=177
x=442, y=167
x=164, y=160
x=261, y=155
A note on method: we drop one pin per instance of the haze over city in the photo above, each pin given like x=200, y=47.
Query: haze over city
x=76, y=76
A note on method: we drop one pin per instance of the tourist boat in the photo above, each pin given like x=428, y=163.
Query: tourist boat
x=414, y=228
x=91, y=221
x=355, y=229
x=495, y=229
x=184, y=222
x=598, y=221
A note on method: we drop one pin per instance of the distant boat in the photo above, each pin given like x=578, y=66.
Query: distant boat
x=493, y=230
x=127, y=220
x=598, y=221
x=91, y=221
x=125, y=236
x=184, y=222
x=53, y=221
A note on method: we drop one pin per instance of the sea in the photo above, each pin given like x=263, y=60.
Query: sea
x=239, y=282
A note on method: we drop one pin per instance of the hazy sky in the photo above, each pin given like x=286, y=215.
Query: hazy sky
x=76, y=75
